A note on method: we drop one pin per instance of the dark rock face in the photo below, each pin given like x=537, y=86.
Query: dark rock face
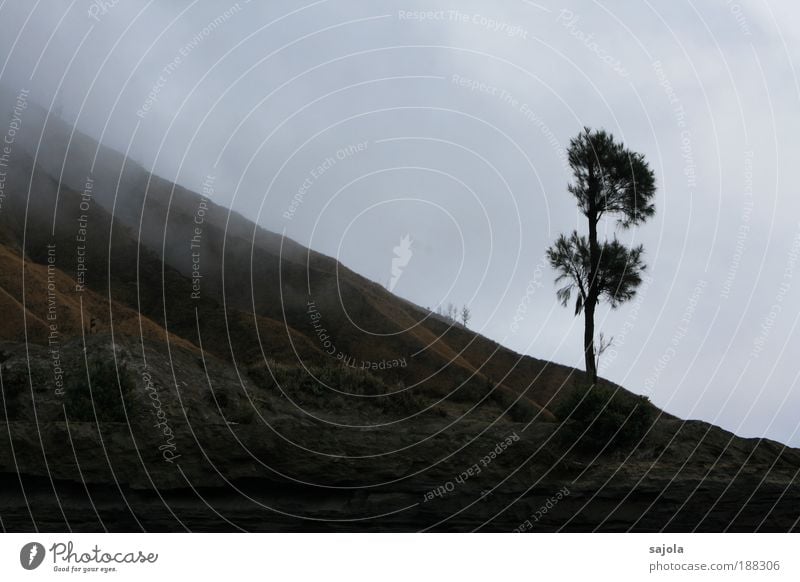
x=208, y=449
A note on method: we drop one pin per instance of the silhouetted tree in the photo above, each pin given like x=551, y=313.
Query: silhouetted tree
x=465, y=315
x=452, y=313
x=609, y=181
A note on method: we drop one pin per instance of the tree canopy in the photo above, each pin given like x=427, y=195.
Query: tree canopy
x=609, y=179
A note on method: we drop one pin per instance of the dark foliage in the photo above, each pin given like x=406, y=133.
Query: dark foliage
x=619, y=274
x=610, y=179
x=605, y=418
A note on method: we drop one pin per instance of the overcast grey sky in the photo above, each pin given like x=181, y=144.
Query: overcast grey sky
x=462, y=115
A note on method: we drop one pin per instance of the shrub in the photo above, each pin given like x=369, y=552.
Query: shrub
x=603, y=417
x=106, y=385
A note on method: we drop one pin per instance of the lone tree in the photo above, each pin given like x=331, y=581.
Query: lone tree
x=466, y=315
x=609, y=181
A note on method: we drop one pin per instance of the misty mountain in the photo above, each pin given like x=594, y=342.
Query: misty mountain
x=293, y=393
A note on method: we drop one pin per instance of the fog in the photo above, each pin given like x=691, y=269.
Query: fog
x=351, y=125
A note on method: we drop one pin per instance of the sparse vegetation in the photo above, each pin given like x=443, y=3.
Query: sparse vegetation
x=466, y=315
x=453, y=315
x=602, y=417
x=450, y=313
x=334, y=387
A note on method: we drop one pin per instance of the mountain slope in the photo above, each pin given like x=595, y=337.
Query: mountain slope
x=218, y=406
x=256, y=272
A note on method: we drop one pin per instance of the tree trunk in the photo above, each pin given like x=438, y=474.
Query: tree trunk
x=588, y=342
x=591, y=303
x=592, y=293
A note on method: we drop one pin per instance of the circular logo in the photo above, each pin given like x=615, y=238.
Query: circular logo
x=31, y=555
